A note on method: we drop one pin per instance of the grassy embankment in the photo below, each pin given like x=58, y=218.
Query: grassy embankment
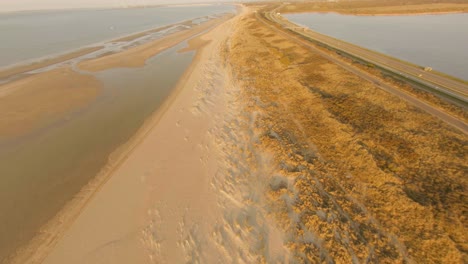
x=432, y=97
x=381, y=7
x=370, y=177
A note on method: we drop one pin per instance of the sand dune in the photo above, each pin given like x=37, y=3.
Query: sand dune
x=187, y=192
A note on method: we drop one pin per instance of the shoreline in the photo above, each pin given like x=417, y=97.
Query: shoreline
x=100, y=8
x=50, y=232
x=69, y=216
x=19, y=69
x=14, y=71
x=141, y=53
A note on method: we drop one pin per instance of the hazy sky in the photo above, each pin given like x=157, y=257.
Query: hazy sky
x=13, y=5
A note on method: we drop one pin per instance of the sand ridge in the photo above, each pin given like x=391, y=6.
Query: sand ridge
x=26, y=104
x=9, y=72
x=137, y=56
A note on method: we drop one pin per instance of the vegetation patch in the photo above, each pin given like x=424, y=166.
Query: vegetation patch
x=369, y=177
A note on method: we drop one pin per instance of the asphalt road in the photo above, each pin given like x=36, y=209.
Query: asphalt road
x=451, y=120
x=444, y=84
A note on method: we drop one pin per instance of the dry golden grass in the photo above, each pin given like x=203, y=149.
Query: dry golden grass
x=428, y=97
x=379, y=7
x=373, y=178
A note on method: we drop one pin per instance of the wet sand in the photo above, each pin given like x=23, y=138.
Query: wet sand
x=137, y=56
x=27, y=104
x=10, y=72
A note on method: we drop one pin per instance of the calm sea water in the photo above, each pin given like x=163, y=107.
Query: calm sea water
x=438, y=41
x=26, y=36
